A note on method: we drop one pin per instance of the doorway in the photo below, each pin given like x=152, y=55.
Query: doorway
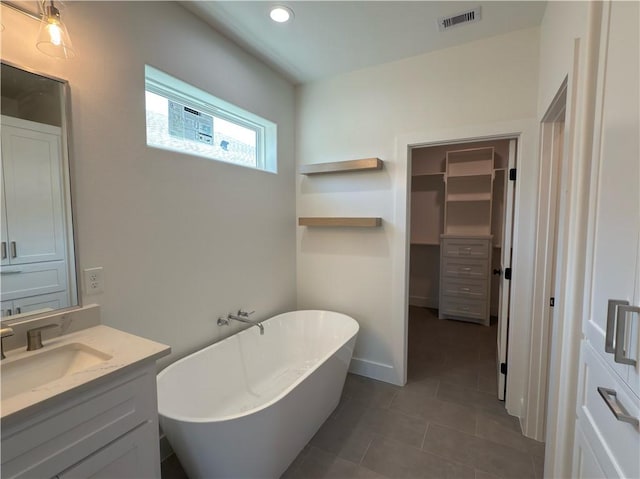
x=461, y=217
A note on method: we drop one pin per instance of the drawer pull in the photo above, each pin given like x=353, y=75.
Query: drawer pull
x=466, y=290
x=14, y=249
x=612, y=307
x=611, y=399
x=4, y=250
x=620, y=354
x=14, y=271
x=467, y=269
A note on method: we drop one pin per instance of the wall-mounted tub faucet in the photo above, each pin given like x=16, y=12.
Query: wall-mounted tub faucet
x=243, y=317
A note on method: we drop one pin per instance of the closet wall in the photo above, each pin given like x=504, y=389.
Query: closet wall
x=428, y=166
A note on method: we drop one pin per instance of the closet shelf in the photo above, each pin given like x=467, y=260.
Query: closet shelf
x=342, y=166
x=468, y=175
x=425, y=243
x=439, y=173
x=368, y=222
x=461, y=199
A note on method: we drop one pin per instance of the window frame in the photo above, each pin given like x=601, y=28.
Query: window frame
x=173, y=89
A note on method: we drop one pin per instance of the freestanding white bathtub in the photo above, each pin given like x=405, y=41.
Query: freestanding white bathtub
x=247, y=405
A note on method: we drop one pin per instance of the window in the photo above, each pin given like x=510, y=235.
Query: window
x=183, y=118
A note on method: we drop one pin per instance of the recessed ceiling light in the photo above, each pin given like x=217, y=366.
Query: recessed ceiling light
x=281, y=14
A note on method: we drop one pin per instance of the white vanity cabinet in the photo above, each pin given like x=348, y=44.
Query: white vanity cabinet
x=105, y=429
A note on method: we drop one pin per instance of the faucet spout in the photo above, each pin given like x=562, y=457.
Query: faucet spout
x=243, y=317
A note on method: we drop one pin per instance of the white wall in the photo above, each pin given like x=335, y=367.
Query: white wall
x=363, y=114
x=182, y=240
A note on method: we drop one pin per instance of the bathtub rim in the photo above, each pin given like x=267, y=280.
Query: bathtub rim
x=284, y=392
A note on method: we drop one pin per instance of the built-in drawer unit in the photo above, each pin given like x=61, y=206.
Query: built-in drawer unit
x=464, y=279
x=608, y=413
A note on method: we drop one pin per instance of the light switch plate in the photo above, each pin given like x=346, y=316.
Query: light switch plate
x=92, y=280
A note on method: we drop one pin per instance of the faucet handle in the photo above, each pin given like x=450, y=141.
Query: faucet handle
x=245, y=314
x=4, y=333
x=34, y=336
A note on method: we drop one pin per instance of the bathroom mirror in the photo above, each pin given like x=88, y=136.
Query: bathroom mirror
x=38, y=269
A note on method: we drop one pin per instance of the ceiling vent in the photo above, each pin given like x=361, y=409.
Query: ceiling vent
x=445, y=23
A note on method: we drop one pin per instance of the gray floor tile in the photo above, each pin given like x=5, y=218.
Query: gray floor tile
x=478, y=453
x=485, y=475
x=470, y=397
x=369, y=391
x=396, y=460
x=488, y=427
x=435, y=411
x=346, y=442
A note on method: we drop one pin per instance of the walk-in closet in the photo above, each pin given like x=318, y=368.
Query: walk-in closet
x=461, y=216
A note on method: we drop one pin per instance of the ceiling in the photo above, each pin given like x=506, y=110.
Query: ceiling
x=326, y=38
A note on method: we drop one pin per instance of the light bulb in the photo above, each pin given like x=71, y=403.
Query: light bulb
x=55, y=34
x=280, y=14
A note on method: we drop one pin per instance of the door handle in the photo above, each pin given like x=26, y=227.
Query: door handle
x=612, y=308
x=611, y=399
x=620, y=355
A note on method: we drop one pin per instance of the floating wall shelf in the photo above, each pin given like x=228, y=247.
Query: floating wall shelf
x=341, y=221
x=342, y=166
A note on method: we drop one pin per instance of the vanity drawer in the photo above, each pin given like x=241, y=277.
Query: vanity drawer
x=472, y=289
x=466, y=247
x=617, y=442
x=61, y=435
x=23, y=280
x=463, y=307
x=470, y=268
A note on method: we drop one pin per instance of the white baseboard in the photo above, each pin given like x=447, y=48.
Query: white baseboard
x=423, y=301
x=374, y=370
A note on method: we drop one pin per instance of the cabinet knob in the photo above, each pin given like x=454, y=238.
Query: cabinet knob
x=497, y=272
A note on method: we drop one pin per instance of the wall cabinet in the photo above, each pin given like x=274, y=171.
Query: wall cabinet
x=106, y=431
x=33, y=245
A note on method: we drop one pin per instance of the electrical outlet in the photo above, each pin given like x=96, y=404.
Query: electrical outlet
x=93, y=280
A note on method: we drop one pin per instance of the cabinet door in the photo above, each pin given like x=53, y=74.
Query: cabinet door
x=4, y=235
x=615, y=205
x=134, y=455
x=31, y=160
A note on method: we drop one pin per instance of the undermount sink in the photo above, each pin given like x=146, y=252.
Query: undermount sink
x=46, y=366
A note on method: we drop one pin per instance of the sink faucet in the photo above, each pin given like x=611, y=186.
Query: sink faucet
x=34, y=336
x=4, y=333
x=243, y=317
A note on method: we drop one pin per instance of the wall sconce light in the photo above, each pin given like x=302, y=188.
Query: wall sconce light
x=53, y=37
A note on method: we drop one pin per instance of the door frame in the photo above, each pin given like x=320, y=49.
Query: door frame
x=525, y=132
x=546, y=259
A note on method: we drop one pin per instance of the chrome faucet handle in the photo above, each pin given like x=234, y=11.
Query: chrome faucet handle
x=4, y=333
x=34, y=336
x=223, y=321
x=245, y=314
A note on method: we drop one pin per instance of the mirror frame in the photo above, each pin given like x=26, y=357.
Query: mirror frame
x=69, y=178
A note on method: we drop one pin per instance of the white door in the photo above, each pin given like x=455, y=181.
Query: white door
x=612, y=270
x=31, y=162
x=505, y=262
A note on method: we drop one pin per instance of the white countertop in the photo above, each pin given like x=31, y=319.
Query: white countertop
x=125, y=349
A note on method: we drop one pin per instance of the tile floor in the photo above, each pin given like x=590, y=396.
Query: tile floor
x=445, y=423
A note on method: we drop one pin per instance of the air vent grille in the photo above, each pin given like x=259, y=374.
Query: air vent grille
x=473, y=15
